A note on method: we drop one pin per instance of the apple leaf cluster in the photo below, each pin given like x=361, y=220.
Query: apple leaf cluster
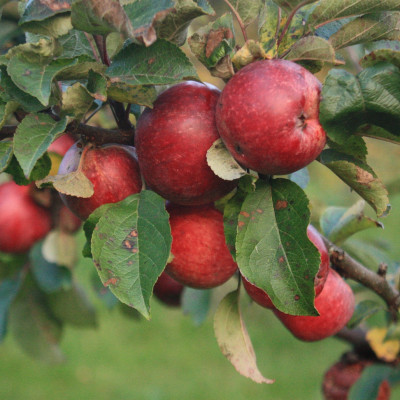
x=63, y=63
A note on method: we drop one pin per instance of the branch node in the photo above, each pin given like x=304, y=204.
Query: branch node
x=382, y=270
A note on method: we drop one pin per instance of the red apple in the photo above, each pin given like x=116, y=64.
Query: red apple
x=339, y=379
x=262, y=298
x=201, y=257
x=22, y=221
x=172, y=140
x=335, y=305
x=113, y=170
x=268, y=117
x=168, y=290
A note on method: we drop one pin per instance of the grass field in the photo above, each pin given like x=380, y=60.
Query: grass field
x=169, y=358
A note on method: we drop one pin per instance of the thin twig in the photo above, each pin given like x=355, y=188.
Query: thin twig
x=356, y=271
x=94, y=51
x=239, y=20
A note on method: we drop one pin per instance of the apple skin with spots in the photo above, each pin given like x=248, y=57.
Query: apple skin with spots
x=172, y=140
x=112, y=169
x=335, y=305
x=22, y=221
x=341, y=376
x=201, y=258
x=262, y=298
x=168, y=290
x=268, y=117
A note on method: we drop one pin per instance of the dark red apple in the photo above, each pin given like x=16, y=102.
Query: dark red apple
x=339, y=379
x=201, y=257
x=168, y=290
x=268, y=117
x=172, y=140
x=335, y=305
x=262, y=298
x=22, y=221
x=113, y=170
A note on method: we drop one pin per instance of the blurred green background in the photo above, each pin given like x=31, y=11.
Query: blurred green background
x=170, y=358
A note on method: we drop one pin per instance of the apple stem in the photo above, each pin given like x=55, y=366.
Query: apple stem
x=239, y=19
x=289, y=21
x=356, y=271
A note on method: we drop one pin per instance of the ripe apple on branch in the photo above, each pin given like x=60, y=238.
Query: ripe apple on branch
x=216, y=190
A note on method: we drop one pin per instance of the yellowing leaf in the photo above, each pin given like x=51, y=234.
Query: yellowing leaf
x=233, y=339
x=74, y=184
x=384, y=350
x=222, y=163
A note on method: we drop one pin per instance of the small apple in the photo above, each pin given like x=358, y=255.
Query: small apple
x=201, y=257
x=168, y=290
x=172, y=140
x=335, y=305
x=341, y=376
x=262, y=298
x=268, y=117
x=112, y=169
x=22, y=221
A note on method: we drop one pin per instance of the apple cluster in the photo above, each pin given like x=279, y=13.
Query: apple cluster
x=267, y=116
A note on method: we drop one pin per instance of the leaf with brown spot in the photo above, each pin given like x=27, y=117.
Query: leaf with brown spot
x=233, y=339
x=360, y=177
x=145, y=15
x=101, y=17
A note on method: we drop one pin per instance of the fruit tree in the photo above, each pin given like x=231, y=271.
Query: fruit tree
x=178, y=136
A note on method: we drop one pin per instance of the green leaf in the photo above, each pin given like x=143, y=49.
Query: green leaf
x=162, y=63
x=367, y=28
x=222, y=163
x=6, y=152
x=79, y=68
x=328, y=10
x=97, y=86
x=353, y=145
x=233, y=339
x=143, y=95
x=39, y=10
x=196, y=303
x=11, y=263
x=49, y=276
x=360, y=177
x=33, y=325
x=9, y=288
x=289, y=5
x=36, y=79
x=75, y=44
x=327, y=30
x=131, y=245
x=247, y=9
x=77, y=101
x=103, y=293
x=40, y=170
x=72, y=306
x=312, y=48
x=272, y=248
x=381, y=55
x=144, y=15
x=364, y=309
x=6, y=109
x=175, y=25
x=214, y=41
x=14, y=93
x=367, y=386
x=100, y=17
x=32, y=138
x=339, y=223
x=372, y=97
